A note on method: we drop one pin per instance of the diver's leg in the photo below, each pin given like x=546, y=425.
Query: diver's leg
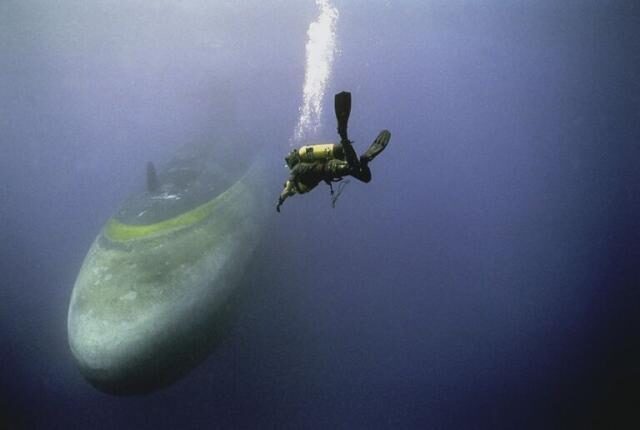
x=339, y=169
x=362, y=173
x=350, y=153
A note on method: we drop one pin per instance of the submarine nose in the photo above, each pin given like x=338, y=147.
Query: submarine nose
x=153, y=298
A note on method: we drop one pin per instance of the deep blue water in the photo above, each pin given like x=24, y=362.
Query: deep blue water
x=486, y=278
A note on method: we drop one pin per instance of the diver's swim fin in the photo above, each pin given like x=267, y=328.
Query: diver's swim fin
x=377, y=146
x=343, y=110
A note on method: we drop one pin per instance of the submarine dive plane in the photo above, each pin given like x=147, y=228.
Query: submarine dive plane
x=156, y=286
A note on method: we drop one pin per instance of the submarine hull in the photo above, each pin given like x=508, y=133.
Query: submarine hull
x=150, y=303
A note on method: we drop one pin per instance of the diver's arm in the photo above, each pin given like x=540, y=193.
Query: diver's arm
x=288, y=190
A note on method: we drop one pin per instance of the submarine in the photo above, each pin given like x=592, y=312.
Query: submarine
x=157, y=286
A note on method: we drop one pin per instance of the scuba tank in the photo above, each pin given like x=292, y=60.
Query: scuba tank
x=320, y=152
x=312, y=153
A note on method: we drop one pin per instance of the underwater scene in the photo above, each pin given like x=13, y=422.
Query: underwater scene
x=319, y=214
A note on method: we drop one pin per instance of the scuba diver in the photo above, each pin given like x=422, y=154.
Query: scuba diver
x=330, y=162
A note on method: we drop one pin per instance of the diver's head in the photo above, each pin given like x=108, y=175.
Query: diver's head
x=292, y=159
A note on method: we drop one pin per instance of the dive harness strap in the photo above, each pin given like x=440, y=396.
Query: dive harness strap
x=341, y=187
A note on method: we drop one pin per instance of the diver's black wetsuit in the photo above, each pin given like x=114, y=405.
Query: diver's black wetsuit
x=305, y=176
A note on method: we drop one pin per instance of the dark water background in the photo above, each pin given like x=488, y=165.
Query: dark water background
x=486, y=278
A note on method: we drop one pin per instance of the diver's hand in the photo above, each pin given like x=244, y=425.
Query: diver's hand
x=280, y=201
